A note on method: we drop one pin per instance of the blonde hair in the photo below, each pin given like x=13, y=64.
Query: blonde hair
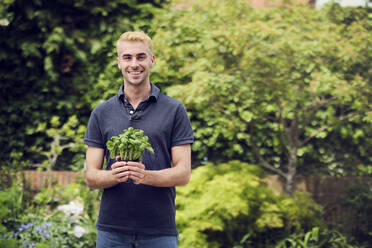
x=135, y=36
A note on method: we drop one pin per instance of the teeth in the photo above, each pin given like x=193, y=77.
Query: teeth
x=135, y=72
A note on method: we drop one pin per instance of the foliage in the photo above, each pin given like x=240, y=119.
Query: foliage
x=359, y=199
x=316, y=238
x=62, y=216
x=52, y=56
x=10, y=206
x=13, y=204
x=224, y=203
x=56, y=230
x=269, y=85
x=13, y=201
x=130, y=145
x=349, y=143
x=68, y=136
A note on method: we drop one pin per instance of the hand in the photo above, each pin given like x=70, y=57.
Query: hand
x=120, y=171
x=136, y=171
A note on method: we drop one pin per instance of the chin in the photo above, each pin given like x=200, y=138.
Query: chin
x=136, y=83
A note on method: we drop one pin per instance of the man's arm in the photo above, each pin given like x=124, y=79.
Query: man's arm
x=96, y=177
x=177, y=175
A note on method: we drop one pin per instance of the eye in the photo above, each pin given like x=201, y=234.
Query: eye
x=126, y=58
x=141, y=57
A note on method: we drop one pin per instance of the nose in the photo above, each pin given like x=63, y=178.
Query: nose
x=134, y=62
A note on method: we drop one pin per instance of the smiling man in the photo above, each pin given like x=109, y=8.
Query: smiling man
x=138, y=202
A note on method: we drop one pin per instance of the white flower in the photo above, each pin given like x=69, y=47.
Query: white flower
x=79, y=231
x=4, y=22
x=73, y=208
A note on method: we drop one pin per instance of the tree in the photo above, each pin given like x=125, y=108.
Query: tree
x=52, y=53
x=266, y=85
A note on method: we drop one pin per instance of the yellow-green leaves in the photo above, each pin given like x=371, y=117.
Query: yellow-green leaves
x=278, y=78
x=224, y=202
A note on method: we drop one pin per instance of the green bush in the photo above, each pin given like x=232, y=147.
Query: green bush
x=222, y=204
x=57, y=52
x=272, y=85
x=316, y=238
x=62, y=216
x=15, y=199
x=359, y=199
x=11, y=209
x=55, y=230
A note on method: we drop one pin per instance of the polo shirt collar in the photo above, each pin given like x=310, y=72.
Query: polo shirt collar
x=154, y=95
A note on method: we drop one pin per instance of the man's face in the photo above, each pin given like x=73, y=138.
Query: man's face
x=135, y=61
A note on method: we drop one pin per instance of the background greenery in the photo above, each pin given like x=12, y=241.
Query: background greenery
x=287, y=88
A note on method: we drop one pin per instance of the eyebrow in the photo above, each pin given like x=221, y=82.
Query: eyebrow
x=139, y=54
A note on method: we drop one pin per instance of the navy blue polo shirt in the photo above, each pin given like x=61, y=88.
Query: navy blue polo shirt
x=140, y=209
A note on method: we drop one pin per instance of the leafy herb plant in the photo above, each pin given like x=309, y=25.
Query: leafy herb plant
x=130, y=145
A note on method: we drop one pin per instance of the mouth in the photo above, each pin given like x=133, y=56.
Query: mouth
x=134, y=73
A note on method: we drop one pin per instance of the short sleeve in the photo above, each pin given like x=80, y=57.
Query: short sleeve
x=182, y=131
x=93, y=135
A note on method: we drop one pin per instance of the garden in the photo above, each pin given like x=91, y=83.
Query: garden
x=280, y=91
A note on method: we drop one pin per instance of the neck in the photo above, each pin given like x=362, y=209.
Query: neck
x=136, y=93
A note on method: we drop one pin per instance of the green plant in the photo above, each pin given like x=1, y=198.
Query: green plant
x=316, y=238
x=9, y=243
x=13, y=204
x=228, y=205
x=54, y=230
x=270, y=85
x=56, y=64
x=130, y=145
x=65, y=136
x=61, y=216
x=359, y=198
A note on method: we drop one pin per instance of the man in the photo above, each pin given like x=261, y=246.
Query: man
x=137, y=206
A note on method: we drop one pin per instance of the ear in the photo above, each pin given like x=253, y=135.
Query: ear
x=152, y=60
x=118, y=62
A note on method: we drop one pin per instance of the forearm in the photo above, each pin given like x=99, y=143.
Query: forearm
x=174, y=176
x=99, y=179
x=95, y=176
x=177, y=175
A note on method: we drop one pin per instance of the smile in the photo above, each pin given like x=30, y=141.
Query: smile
x=135, y=72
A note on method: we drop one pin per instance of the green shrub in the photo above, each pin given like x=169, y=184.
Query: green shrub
x=13, y=205
x=55, y=230
x=359, y=198
x=316, y=238
x=65, y=194
x=62, y=216
x=226, y=203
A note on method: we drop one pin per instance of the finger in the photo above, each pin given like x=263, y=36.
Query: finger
x=135, y=169
x=136, y=176
x=118, y=164
x=120, y=169
x=136, y=164
x=120, y=172
x=135, y=180
x=122, y=177
x=139, y=174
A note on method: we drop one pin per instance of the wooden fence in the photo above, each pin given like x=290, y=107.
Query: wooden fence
x=37, y=180
x=323, y=188
x=329, y=192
